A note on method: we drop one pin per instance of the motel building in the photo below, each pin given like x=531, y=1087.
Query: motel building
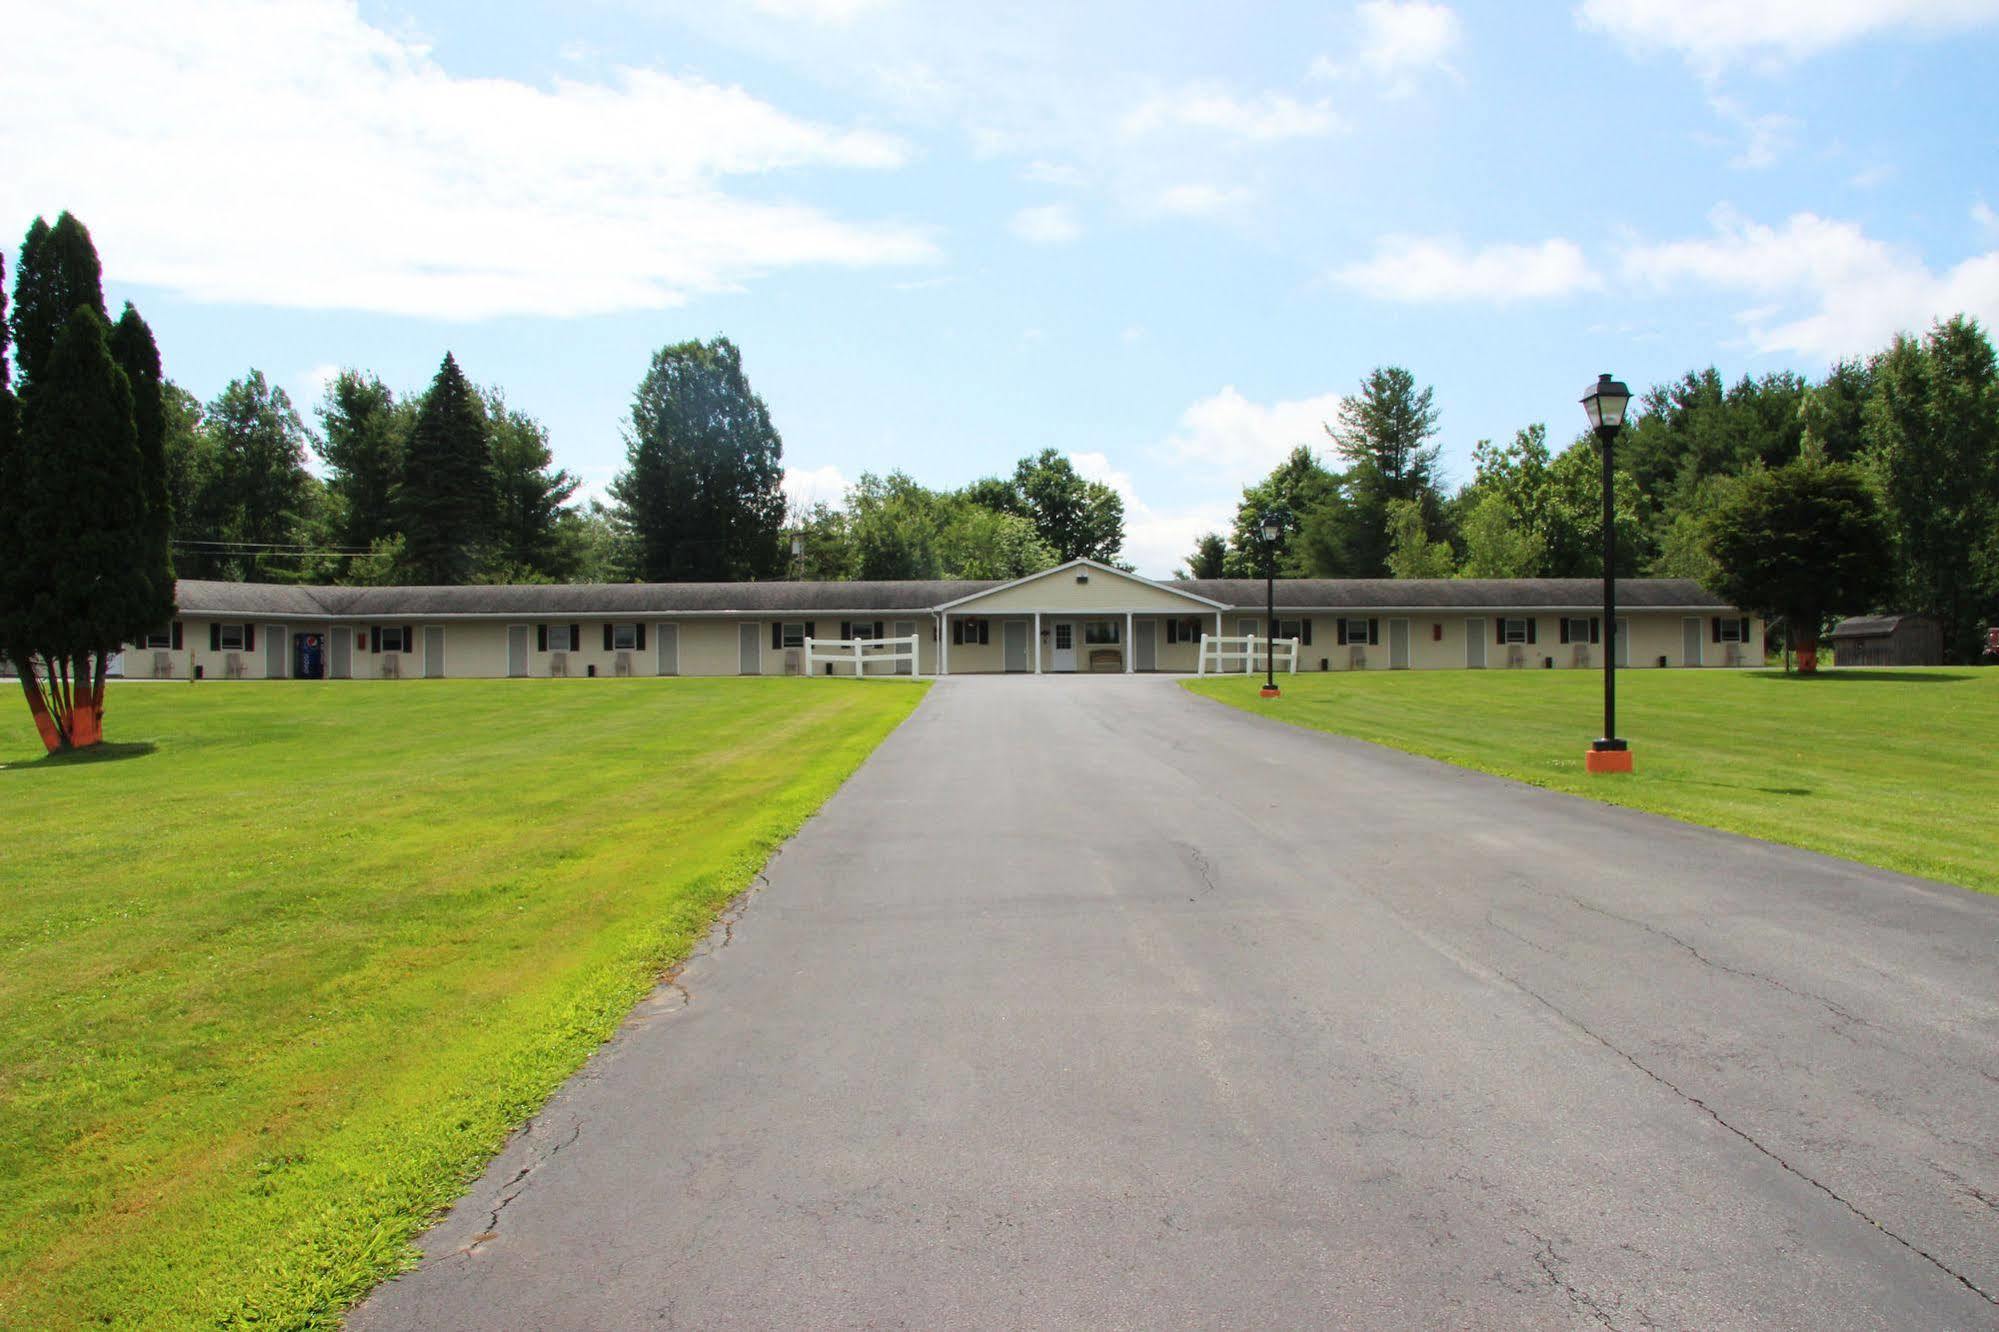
x=1078, y=618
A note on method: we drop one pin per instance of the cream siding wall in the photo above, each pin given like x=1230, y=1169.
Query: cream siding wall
x=709, y=646
x=1105, y=592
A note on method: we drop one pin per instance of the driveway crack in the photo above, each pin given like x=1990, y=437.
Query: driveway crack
x=518, y=1185
x=1749, y=1138
x=1837, y=1010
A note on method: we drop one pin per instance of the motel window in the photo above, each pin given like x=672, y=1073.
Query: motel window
x=1579, y=630
x=1292, y=629
x=392, y=638
x=1514, y=631
x=861, y=629
x=793, y=635
x=624, y=637
x=162, y=637
x=558, y=639
x=1064, y=638
x=231, y=637
x=1732, y=630
x=1100, y=631
x=1183, y=631
x=1356, y=633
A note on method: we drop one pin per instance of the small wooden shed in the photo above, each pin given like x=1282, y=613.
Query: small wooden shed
x=1888, y=640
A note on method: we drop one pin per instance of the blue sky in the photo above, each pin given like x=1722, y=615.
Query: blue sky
x=1163, y=238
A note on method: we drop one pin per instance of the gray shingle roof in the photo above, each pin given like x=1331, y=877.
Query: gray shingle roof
x=1867, y=626
x=196, y=597
x=1454, y=593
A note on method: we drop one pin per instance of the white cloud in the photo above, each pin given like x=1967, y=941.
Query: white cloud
x=837, y=12
x=1399, y=42
x=1270, y=118
x=1156, y=541
x=1713, y=34
x=1764, y=137
x=1242, y=440
x=1982, y=214
x=1823, y=288
x=1047, y=224
x=294, y=155
x=312, y=386
x=807, y=486
x=1203, y=200
x=1418, y=269
x=1054, y=173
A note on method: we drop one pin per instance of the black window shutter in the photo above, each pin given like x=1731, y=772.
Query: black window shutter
x=1172, y=632
x=957, y=633
x=1745, y=629
x=249, y=638
x=642, y=636
x=1533, y=628
x=1305, y=630
x=215, y=636
x=575, y=638
x=1374, y=633
x=176, y=637
x=409, y=638
x=374, y=638
x=1717, y=628
x=607, y=635
x=1499, y=631
x=1565, y=628
x=541, y=638
x=1596, y=628
x=985, y=632
x=846, y=629
x=1342, y=623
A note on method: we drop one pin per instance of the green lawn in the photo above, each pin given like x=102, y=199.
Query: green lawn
x=281, y=969
x=1895, y=768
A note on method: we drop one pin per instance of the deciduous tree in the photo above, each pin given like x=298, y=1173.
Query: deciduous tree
x=1076, y=517
x=1800, y=543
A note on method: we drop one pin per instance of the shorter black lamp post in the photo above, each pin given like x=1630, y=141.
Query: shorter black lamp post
x=1272, y=524
x=1605, y=402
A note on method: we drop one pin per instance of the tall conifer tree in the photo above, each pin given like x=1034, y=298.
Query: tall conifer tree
x=139, y=357
x=447, y=495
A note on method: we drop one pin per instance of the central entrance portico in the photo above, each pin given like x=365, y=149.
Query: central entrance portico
x=1082, y=616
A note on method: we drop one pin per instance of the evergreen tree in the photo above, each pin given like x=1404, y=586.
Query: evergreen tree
x=530, y=493
x=13, y=590
x=59, y=271
x=364, y=444
x=702, y=486
x=139, y=357
x=1383, y=434
x=79, y=534
x=447, y=492
x=1932, y=432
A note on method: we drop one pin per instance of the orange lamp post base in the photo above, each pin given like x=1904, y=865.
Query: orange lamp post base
x=1268, y=691
x=1607, y=760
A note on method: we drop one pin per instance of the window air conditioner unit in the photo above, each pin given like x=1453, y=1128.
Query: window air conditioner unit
x=623, y=664
x=558, y=663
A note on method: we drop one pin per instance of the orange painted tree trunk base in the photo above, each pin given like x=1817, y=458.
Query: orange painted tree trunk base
x=1808, y=658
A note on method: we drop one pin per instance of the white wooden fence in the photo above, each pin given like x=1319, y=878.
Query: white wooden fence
x=858, y=654
x=1245, y=649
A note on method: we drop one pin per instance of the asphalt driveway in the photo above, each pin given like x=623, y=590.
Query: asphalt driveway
x=1089, y=1003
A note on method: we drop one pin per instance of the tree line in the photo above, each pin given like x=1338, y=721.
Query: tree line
x=1875, y=488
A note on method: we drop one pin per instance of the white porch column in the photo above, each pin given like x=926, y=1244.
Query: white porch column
x=944, y=644
x=1130, y=644
x=1037, y=642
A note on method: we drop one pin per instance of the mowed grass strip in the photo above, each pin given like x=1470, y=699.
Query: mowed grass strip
x=1893, y=768
x=282, y=968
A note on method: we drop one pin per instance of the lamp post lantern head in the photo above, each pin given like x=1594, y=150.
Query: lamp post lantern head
x=797, y=545
x=1605, y=402
x=1273, y=526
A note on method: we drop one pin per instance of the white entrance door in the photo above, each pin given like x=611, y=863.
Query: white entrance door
x=1398, y=645
x=1690, y=641
x=277, y=653
x=1014, y=638
x=1145, y=645
x=749, y=649
x=433, y=652
x=517, y=650
x=1475, y=644
x=1065, y=646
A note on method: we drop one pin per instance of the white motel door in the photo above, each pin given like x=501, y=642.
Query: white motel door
x=1065, y=646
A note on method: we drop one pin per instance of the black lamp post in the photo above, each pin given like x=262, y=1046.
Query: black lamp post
x=1272, y=524
x=1605, y=402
